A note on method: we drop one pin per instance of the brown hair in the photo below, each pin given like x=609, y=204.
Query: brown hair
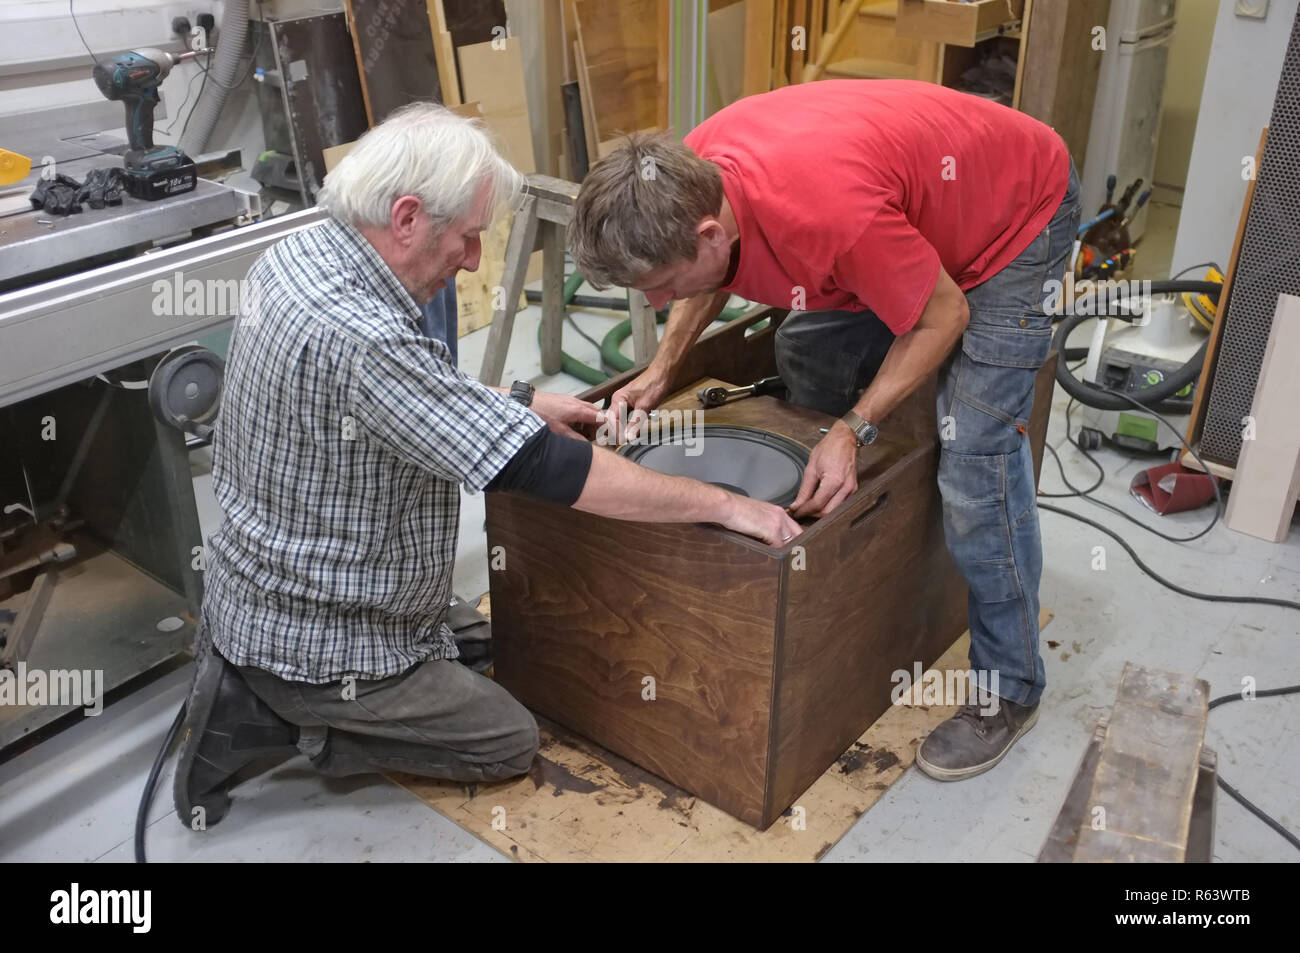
x=639, y=207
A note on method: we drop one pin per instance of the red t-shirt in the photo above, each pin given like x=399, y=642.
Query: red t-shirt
x=856, y=191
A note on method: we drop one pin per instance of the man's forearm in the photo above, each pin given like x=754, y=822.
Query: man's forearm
x=916, y=355
x=687, y=319
x=912, y=358
x=619, y=489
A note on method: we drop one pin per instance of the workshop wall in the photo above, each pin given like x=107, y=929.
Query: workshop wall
x=1237, y=101
x=1189, y=55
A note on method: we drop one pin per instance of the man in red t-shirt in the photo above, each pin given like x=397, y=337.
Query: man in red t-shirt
x=896, y=219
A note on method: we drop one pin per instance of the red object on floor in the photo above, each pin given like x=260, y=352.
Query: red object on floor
x=1172, y=488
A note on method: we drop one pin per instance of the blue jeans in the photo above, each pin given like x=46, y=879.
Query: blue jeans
x=986, y=470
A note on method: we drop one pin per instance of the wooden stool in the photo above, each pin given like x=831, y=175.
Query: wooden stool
x=548, y=207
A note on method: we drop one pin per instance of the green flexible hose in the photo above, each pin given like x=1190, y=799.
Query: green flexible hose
x=568, y=363
x=610, y=346
x=611, y=352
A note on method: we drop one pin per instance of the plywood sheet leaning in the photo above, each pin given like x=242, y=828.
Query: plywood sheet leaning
x=581, y=803
x=492, y=75
x=395, y=56
x=760, y=23
x=445, y=54
x=726, y=55
x=494, y=82
x=619, y=66
x=1264, y=492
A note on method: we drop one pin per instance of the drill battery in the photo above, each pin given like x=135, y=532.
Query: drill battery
x=151, y=184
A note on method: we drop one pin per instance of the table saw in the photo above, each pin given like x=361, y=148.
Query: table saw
x=93, y=469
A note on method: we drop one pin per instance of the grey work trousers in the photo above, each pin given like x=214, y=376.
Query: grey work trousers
x=437, y=719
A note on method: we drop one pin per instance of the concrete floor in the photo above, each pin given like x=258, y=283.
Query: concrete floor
x=74, y=796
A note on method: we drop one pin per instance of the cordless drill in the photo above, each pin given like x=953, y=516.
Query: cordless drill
x=152, y=172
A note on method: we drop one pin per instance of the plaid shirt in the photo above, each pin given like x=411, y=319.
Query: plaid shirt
x=343, y=437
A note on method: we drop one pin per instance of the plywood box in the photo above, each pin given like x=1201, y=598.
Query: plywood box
x=764, y=664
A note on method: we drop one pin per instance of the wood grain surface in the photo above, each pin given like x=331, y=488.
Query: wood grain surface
x=580, y=802
x=763, y=673
x=587, y=608
x=879, y=593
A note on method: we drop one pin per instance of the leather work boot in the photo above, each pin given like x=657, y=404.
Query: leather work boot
x=226, y=727
x=969, y=743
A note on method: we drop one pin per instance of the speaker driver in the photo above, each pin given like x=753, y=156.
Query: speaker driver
x=750, y=462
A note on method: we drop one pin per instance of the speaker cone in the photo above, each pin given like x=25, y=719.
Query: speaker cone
x=750, y=462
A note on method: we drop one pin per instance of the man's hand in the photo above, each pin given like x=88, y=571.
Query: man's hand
x=760, y=520
x=831, y=475
x=642, y=394
x=563, y=413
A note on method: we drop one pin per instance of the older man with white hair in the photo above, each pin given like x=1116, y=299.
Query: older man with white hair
x=344, y=437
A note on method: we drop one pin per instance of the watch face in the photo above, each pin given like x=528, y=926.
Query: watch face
x=865, y=433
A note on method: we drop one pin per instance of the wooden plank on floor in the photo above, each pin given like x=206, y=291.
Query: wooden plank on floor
x=1147, y=772
x=582, y=803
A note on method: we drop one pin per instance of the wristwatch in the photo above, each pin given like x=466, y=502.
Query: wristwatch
x=863, y=432
x=522, y=391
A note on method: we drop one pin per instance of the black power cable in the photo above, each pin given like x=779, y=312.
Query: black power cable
x=1218, y=502
x=1190, y=593
x=1101, y=476
x=1069, y=438
x=1233, y=792
x=146, y=798
x=73, y=13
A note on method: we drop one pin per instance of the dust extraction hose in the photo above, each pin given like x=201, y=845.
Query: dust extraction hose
x=1093, y=396
x=225, y=72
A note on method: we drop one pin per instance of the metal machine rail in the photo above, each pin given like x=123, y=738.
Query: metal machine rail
x=63, y=331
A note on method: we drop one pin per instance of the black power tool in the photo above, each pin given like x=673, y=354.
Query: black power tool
x=152, y=172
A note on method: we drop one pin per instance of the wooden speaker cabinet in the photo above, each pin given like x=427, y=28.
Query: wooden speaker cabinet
x=735, y=670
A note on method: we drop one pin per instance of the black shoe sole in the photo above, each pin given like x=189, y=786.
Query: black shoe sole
x=219, y=755
x=214, y=804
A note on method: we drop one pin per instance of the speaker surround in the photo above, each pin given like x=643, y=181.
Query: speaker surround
x=746, y=460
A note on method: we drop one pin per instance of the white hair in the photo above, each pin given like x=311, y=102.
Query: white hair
x=424, y=150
